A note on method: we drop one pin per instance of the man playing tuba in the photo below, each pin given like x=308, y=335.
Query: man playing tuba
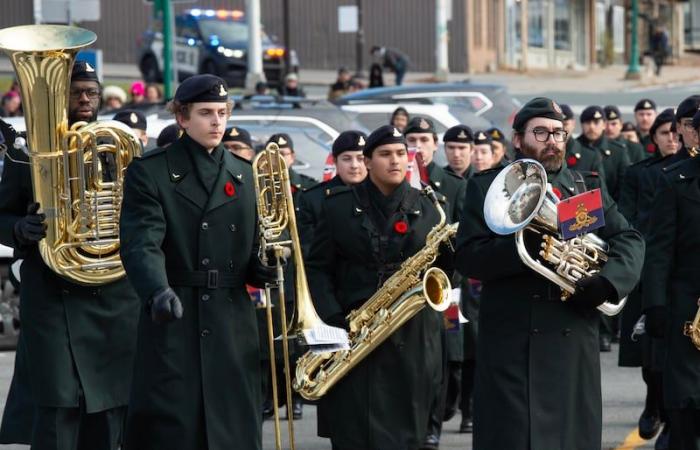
x=539, y=367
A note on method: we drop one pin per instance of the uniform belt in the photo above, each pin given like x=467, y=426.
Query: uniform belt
x=210, y=279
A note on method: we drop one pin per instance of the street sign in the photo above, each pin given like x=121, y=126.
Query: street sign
x=69, y=11
x=347, y=19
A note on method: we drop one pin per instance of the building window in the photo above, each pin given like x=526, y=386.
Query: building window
x=562, y=24
x=536, y=26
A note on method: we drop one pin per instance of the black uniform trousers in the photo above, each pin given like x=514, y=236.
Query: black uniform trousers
x=73, y=429
x=685, y=429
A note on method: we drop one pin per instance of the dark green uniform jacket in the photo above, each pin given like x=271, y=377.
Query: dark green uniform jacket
x=538, y=366
x=79, y=340
x=646, y=143
x=309, y=209
x=635, y=151
x=467, y=174
x=579, y=157
x=671, y=279
x=299, y=181
x=615, y=162
x=383, y=403
x=189, y=222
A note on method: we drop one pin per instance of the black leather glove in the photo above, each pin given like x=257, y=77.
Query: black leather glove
x=338, y=320
x=31, y=228
x=593, y=291
x=165, y=306
x=656, y=321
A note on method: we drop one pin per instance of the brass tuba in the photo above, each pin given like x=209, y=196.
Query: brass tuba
x=692, y=329
x=401, y=297
x=82, y=210
x=520, y=199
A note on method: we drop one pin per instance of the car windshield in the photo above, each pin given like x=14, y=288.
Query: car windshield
x=227, y=31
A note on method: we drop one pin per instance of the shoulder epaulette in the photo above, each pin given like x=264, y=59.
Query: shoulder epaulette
x=240, y=158
x=154, y=152
x=337, y=190
x=671, y=167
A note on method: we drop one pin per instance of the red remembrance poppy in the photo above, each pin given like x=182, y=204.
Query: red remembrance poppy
x=571, y=161
x=651, y=148
x=400, y=227
x=229, y=189
x=557, y=192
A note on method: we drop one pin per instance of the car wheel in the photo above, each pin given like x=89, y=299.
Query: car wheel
x=149, y=69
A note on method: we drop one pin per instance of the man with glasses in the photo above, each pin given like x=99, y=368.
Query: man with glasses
x=538, y=362
x=299, y=181
x=78, y=341
x=237, y=141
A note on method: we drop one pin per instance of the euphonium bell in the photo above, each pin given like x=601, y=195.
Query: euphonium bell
x=520, y=199
x=82, y=210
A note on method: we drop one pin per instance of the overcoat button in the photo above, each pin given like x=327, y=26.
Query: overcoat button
x=205, y=226
x=205, y=297
x=230, y=264
x=535, y=331
x=536, y=297
x=205, y=332
x=205, y=262
x=233, y=227
x=65, y=292
x=566, y=331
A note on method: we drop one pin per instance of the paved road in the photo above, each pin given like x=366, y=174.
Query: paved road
x=622, y=403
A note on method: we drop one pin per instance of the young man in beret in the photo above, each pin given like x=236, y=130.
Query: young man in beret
x=237, y=140
x=136, y=121
x=548, y=402
x=613, y=154
x=613, y=131
x=578, y=157
x=498, y=145
x=189, y=245
x=458, y=151
x=644, y=115
x=365, y=232
x=78, y=342
x=629, y=132
x=298, y=180
x=482, y=152
x=168, y=135
x=636, y=200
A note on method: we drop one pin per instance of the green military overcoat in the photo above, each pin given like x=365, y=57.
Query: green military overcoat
x=382, y=403
x=196, y=379
x=538, y=363
x=615, y=162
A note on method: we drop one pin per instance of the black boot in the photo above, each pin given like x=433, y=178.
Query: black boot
x=649, y=424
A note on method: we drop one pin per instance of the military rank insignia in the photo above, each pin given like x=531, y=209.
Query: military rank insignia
x=581, y=214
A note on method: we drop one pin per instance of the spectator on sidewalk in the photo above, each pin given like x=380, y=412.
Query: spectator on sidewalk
x=138, y=93
x=153, y=93
x=399, y=118
x=393, y=60
x=291, y=86
x=376, y=76
x=356, y=84
x=660, y=48
x=11, y=105
x=113, y=97
x=341, y=85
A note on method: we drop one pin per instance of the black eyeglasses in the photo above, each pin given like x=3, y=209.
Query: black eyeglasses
x=91, y=93
x=542, y=135
x=687, y=124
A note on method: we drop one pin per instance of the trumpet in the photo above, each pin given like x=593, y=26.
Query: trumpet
x=520, y=199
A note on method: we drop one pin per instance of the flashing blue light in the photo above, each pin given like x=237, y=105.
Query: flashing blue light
x=190, y=41
x=195, y=12
x=210, y=13
x=214, y=40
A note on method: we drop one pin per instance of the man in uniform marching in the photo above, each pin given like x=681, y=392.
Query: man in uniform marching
x=548, y=402
x=578, y=157
x=458, y=148
x=644, y=115
x=613, y=131
x=364, y=234
x=298, y=180
x=189, y=246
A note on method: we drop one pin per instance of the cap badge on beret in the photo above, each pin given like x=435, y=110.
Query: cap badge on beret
x=647, y=104
x=424, y=125
x=133, y=118
x=361, y=141
x=462, y=135
x=495, y=134
x=481, y=136
x=88, y=67
x=281, y=141
x=556, y=107
x=222, y=91
x=612, y=115
x=234, y=132
x=396, y=133
x=597, y=115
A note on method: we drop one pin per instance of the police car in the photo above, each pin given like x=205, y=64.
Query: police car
x=210, y=41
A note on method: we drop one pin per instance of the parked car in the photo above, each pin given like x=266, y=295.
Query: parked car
x=489, y=101
x=210, y=41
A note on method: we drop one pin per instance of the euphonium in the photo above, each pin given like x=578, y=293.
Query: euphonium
x=520, y=199
x=692, y=329
x=82, y=210
x=401, y=297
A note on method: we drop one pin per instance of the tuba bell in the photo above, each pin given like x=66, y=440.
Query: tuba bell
x=692, y=329
x=82, y=210
x=520, y=199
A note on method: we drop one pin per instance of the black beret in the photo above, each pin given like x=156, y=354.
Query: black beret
x=537, y=107
x=645, y=103
x=7, y=134
x=481, y=138
x=496, y=135
x=628, y=126
x=459, y=133
x=282, y=140
x=688, y=107
x=349, y=141
x=612, y=112
x=567, y=111
x=202, y=88
x=400, y=110
x=386, y=134
x=696, y=120
x=664, y=116
x=168, y=135
x=592, y=113
x=83, y=71
x=135, y=119
x=419, y=125
x=235, y=134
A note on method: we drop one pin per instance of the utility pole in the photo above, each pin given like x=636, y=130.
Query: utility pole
x=255, y=65
x=166, y=14
x=442, y=68
x=633, y=72
x=359, y=43
x=285, y=33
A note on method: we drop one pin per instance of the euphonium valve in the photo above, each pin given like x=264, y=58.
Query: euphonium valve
x=81, y=204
